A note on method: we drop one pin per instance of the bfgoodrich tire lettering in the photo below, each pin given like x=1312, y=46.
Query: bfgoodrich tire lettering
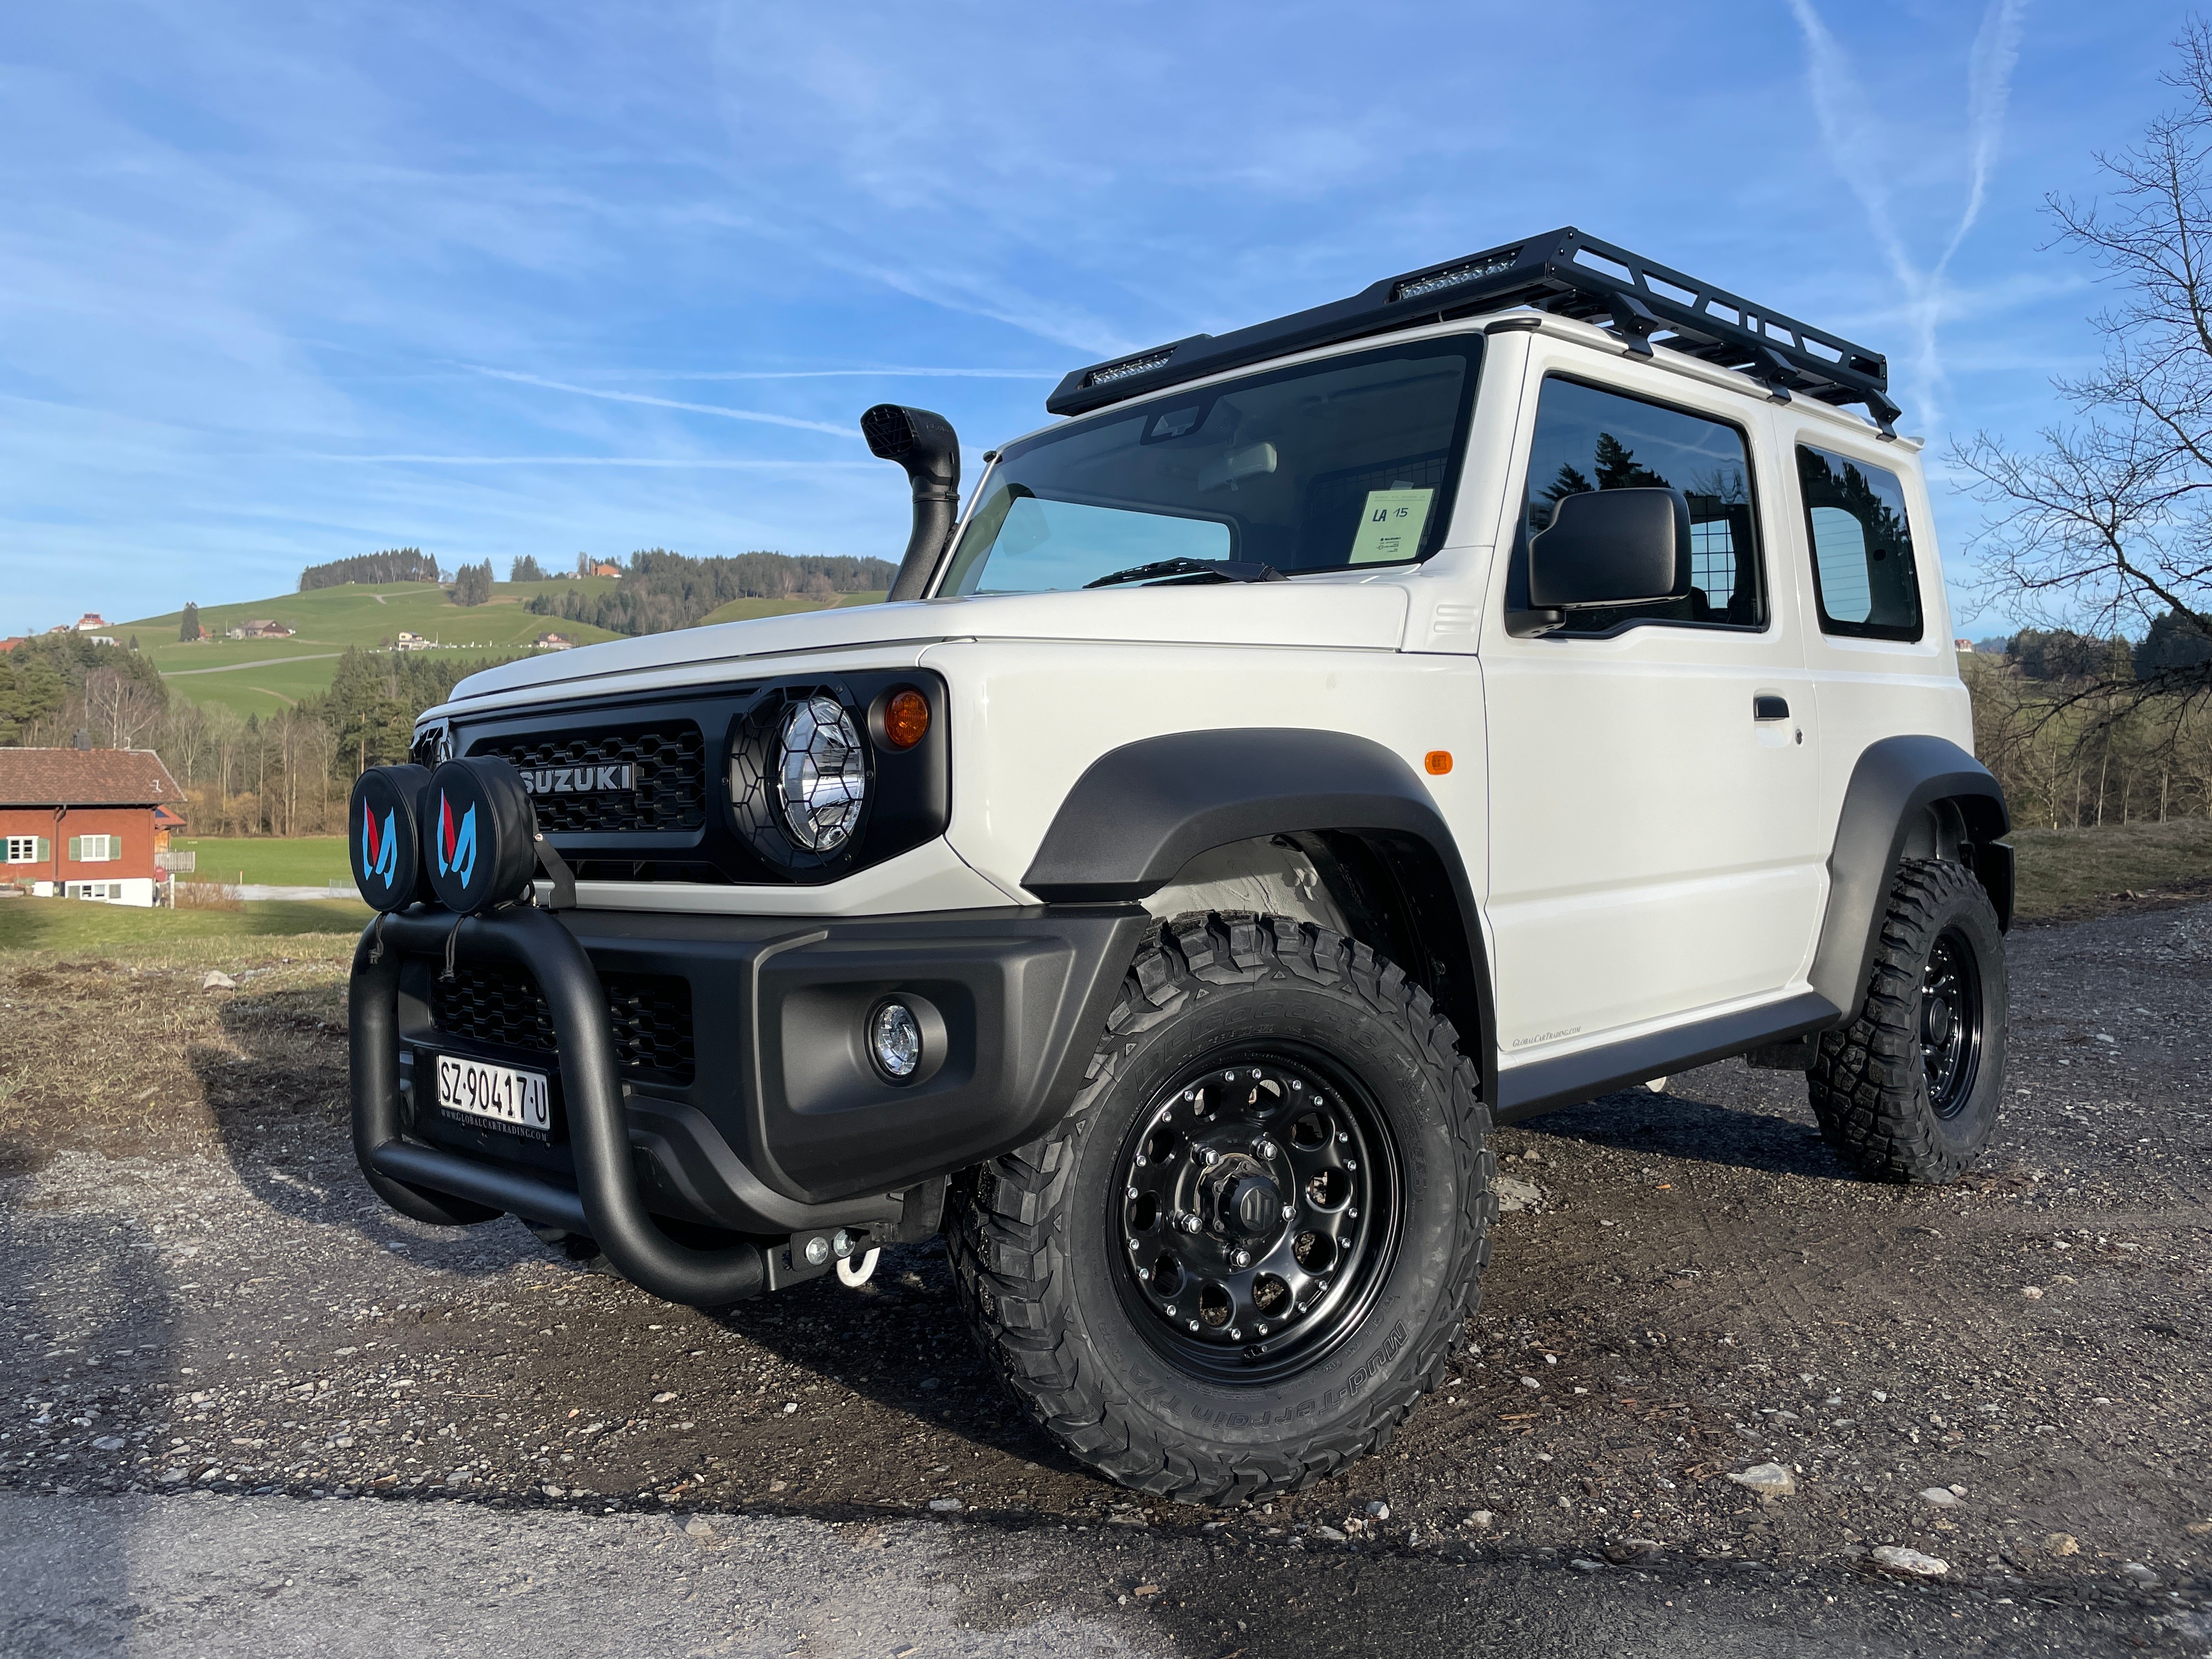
x=1036, y=1247
x=1909, y=1091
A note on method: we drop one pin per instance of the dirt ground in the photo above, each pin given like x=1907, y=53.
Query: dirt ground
x=204, y=1295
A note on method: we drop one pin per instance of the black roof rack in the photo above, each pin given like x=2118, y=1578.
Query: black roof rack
x=1563, y=272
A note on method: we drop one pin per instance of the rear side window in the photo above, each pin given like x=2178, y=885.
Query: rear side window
x=1863, y=574
x=1587, y=440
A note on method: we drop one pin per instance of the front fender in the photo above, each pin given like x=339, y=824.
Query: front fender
x=1142, y=811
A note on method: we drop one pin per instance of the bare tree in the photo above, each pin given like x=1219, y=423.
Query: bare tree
x=2112, y=517
x=123, y=710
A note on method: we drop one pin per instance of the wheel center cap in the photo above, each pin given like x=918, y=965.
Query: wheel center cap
x=1935, y=1020
x=1242, y=1198
x=1256, y=1204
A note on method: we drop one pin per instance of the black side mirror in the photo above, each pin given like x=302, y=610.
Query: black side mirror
x=1611, y=547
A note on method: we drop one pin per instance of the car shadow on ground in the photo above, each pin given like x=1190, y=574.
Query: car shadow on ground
x=902, y=1342
x=280, y=1105
x=1723, y=1114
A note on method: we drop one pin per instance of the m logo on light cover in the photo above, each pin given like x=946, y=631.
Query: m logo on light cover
x=379, y=853
x=457, y=848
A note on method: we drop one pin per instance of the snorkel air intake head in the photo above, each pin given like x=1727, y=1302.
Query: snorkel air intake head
x=925, y=444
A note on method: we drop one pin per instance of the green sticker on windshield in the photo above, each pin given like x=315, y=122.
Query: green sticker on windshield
x=1390, y=526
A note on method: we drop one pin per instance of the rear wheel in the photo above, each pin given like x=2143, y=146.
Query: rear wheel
x=1909, y=1091
x=1251, y=1245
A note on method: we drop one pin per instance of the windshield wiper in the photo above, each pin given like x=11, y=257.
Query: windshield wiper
x=1227, y=570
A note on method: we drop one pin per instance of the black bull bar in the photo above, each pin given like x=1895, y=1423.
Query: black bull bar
x=447, y=1190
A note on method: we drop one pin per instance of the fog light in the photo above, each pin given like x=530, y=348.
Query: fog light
x=895, y=1035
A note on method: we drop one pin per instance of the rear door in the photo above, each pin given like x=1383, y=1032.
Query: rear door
x=1656, y=845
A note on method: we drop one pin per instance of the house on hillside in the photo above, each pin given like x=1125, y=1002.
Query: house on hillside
x=259, y=630
x=554, y=642
x=85, y=823
x=91, y=622
x=10, y=644
x=606, y=571
x=410, y=642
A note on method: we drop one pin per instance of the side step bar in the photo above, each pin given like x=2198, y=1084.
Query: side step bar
x=443, y=1189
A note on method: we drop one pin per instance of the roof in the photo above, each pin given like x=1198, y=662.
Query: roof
x=1564, y=271
x=84, y=777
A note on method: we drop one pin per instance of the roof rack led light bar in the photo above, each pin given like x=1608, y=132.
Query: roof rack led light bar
x=1563, y=272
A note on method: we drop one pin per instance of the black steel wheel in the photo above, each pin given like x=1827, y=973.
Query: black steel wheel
x=1950, y=1021
x=1249, y=1247
x=1259, y=1208
x=1909, y=1089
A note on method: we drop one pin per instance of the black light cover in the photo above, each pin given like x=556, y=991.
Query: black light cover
x=480, y=832
x=384, y=838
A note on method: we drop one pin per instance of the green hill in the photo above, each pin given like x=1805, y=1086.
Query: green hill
x=745, y=610
x=263, y=676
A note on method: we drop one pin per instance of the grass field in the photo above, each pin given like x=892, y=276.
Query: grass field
x=745, y=610
x=264, y=676
x=147, y=937
x=296, y=861
x=2067, y=874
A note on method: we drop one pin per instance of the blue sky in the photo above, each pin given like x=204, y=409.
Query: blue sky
x=280, y=284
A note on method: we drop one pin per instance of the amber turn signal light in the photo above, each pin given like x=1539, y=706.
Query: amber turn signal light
x=906, y=719
x=1438, y=761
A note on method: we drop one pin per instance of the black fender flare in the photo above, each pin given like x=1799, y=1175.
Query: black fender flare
x=1140, y=812
x=1893, y=783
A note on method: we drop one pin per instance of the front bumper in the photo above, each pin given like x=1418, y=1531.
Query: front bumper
x=775, y=1123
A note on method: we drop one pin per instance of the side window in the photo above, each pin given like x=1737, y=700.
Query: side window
x=1589, y=439
x=1863, y=570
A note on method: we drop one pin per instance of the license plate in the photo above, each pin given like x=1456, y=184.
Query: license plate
x=495, y=1094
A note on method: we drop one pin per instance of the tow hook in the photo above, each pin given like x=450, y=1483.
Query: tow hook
x=809, y=1255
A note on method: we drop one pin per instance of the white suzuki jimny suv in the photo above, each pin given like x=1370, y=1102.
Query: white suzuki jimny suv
x=1523, y=679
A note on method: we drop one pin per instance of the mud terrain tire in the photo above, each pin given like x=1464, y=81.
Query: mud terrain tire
x=1041, y=1252
x=1882, y=1100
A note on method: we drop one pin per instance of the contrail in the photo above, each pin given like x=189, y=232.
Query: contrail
x=1854, y=146
x=1989, y=87
x=839, y=373
x=726, y=413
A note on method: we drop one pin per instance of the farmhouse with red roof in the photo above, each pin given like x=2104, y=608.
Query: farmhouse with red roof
x=86, y=823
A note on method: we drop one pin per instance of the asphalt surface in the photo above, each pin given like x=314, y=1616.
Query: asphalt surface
x=205, y=1575
x=224, y=1366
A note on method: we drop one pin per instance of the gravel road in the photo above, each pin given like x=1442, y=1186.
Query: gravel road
x=217, y=1350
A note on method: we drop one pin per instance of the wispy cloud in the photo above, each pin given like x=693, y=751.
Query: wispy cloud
x=671, y=462
x=722, y=411
x=837, y=373
x=243, y=269
x=1854, y=139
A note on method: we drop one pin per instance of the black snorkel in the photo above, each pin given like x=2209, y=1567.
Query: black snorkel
x=925, y=444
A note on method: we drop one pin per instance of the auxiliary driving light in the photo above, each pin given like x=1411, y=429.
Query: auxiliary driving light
x=895, y=1038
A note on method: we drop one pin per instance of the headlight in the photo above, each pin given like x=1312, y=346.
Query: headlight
x=821, y=774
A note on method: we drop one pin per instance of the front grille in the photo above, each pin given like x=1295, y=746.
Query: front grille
x=650, y=1014
x=670, y=777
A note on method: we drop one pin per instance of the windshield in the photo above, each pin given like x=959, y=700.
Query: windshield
x=1344, y=463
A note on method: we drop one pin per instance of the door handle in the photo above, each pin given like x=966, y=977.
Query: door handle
x=1770, y=707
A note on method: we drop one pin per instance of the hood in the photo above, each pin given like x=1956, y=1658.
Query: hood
x=1338, y=615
